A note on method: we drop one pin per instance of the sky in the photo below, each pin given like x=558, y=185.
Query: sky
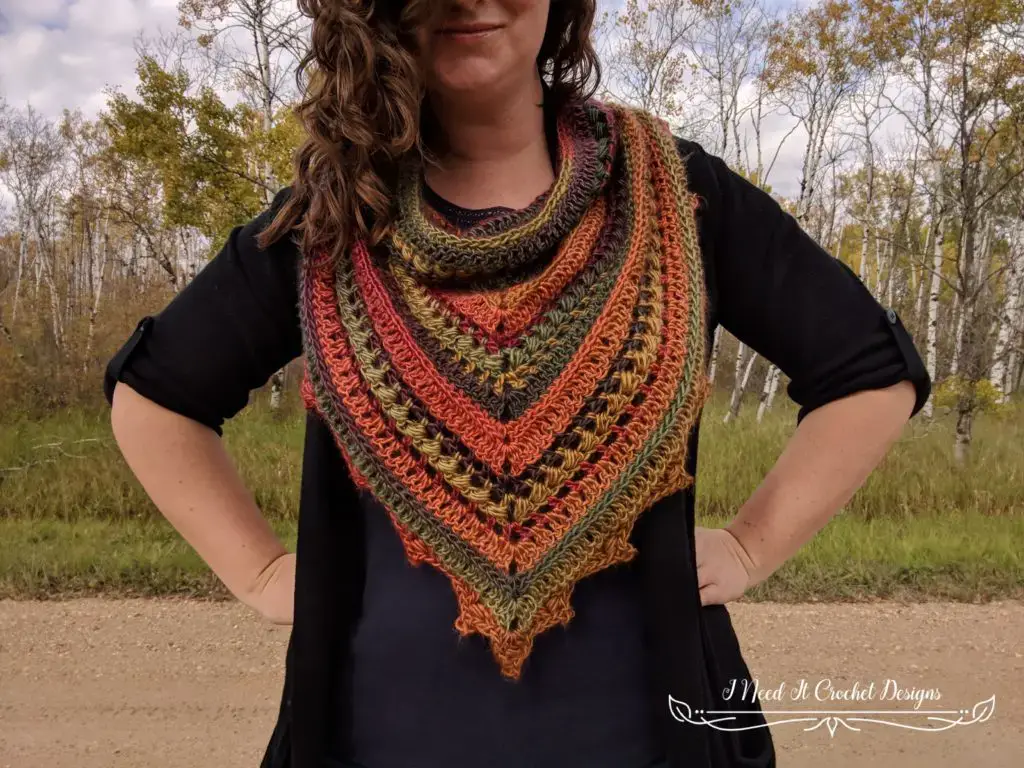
x=65, y=53
x=57, y=54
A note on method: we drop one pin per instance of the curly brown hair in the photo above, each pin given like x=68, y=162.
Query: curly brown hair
x=361, y=110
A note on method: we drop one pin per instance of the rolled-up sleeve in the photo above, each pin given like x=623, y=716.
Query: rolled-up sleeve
x=222, y=335
x=780, y=293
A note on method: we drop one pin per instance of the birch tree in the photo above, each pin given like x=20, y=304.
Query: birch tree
x=31, y=151
x=726, y=47
x=1009, y=330
x=179, y=156
x=817, y=61
x=868, y=113
x=911, y=36
x=261, y=43
x=266, y=42
x=90, y=209
x=648, y=62
x=986, y=57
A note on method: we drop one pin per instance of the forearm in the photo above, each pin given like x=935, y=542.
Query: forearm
x=190, y=477
x=827, y=459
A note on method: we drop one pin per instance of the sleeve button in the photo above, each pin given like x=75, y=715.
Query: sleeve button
x=891, y=315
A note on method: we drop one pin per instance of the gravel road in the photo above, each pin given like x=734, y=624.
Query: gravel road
x=99, y=683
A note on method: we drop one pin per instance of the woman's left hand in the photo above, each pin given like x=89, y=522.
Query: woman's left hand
x=724, y=570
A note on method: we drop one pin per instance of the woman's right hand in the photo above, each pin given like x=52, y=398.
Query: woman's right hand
x=185, y=469
x=273, y=596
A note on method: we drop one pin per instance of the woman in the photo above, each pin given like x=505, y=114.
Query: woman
x=504, y=294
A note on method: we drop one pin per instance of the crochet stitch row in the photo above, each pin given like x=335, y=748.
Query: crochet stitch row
x=516, y=427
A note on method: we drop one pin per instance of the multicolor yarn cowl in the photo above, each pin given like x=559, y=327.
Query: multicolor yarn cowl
x=517, y=394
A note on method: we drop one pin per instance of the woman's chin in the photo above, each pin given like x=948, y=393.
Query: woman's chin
x=471, y=83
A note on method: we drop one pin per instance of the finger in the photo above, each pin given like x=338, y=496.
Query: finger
x=711, y=595
x=705, y=576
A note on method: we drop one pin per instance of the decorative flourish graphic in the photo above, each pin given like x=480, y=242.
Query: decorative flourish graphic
x=938, y=720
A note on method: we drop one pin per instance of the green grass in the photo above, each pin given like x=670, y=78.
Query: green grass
x=74, y=521
x=918, y=476
x=949, y=556
x=128, y=558
x=52, y=475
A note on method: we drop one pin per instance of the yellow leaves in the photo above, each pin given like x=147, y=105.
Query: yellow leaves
x=917, y=33
x=987, y=397
x=650, y=64
x=821, y=42
x=191, y=11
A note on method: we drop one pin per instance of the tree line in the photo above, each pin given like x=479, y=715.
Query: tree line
x=906, y=116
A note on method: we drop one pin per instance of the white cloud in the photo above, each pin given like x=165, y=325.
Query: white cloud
x=58, y=54
x=35, y=11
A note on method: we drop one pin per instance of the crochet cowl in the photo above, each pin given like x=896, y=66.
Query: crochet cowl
x=516, y=394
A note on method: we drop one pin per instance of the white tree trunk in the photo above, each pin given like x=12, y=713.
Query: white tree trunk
x=960, y=312
x=268, y=104
x=99, y=271
x=878, y=267
x=932, y=318
x=737, y=386
x=862, y=272
x=740, y=383
x=22, y=254
x=1002, y=357
x=276, y=389
x=747, y=371
x=967, y=304
x=46, y=258
x=890, y=284
x=837, y=252
x=771, y=383
x=869, y=201
x=714, y=354
x=277, y=380
x=1015, y=364
x=919, y=297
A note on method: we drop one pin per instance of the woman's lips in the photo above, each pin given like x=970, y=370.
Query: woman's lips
x=468, y=31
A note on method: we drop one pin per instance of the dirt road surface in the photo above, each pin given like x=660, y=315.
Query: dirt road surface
x=100, y=683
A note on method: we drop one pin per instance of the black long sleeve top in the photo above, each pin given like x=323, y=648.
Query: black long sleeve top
x=375, y=674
